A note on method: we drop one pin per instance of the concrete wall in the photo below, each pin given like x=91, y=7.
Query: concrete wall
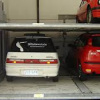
x=25, y=10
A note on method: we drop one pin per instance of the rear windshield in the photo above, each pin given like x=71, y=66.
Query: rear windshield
x=96, y=41
x=28, y=44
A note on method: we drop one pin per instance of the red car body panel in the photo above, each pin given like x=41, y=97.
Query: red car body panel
x=88, y=55
x=90, y=59
x=82, y=12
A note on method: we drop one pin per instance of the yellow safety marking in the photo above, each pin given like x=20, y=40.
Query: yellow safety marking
x=38, y=95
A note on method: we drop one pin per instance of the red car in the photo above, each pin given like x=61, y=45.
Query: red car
x=89, y=11
x=85, y=55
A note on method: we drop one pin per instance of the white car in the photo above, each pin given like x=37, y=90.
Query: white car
x=32, y=56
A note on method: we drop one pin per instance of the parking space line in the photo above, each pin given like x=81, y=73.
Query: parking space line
x=82, y=87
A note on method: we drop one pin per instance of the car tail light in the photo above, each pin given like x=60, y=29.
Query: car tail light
x=32, y=61
x=55, y=61
x=14, y=61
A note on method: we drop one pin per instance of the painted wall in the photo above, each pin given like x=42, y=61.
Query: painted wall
x=25, y=10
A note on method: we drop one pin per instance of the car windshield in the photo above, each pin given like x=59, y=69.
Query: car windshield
x=96, y=41
x=32, y=44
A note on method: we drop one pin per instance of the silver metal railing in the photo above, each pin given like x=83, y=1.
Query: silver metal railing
x=46, y=26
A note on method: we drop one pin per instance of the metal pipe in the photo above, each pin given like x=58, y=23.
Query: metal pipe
x=38, y=16
x=42, y=26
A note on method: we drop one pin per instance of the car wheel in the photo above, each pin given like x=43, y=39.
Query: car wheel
x=9, y=78
x=81, y=75
x=89, y=16
x=55, y=79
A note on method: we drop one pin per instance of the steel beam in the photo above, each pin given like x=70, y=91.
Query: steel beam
x=45, y=26
x=38, y=12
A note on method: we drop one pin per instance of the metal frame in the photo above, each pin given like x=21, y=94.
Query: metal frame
x=38, y=11
x=49, y=27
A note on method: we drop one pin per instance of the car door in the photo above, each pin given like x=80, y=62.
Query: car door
x=83, y=10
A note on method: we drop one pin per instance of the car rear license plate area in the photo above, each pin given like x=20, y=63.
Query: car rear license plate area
x=30, y=72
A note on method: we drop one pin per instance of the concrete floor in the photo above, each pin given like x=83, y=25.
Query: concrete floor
x=41, y=88
x=38, y=85
x=93, y=84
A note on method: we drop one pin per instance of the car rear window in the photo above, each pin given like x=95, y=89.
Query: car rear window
x=32, y=44
x=96, y=41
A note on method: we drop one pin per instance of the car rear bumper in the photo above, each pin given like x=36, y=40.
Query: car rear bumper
x=40, y=71
x=90, y=68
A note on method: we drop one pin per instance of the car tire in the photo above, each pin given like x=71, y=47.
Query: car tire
x=9, y=78
x=89, y=18
x=55, y=79
x=81, y=75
